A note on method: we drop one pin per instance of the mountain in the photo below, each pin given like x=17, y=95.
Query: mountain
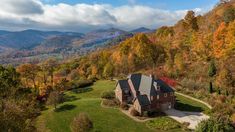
x=141, y=30
x=31, y=44
x=30, y=38
x=102, y=37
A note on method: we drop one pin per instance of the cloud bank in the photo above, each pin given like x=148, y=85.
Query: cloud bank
x=24, y=14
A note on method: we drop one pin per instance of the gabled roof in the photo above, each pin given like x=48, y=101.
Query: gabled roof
x=124, y=84
x=164, y=87
x=135, y=79
x=143, y=100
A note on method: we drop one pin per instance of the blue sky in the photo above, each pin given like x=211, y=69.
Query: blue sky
x=87, y=15
x=162, y=4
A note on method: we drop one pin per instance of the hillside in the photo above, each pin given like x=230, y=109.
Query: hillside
x=198, y=53
x=34, y=46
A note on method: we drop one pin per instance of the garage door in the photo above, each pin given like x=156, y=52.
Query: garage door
x=166, y=106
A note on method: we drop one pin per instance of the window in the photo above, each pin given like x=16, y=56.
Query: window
x=157, y=96
x=165, y=95
x=151, y=98
x=172, y=94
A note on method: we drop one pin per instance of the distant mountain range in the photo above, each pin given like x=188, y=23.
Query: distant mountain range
x=142, y=30
x=30, y=45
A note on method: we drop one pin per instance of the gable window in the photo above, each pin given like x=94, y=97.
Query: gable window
x=165, y=94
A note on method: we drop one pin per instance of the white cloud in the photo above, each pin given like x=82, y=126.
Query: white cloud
x=23, y=14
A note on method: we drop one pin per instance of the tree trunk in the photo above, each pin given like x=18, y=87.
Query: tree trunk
x=44, y=79
x=52, y=80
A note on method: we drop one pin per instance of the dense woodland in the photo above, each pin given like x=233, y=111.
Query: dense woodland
x=198, y=53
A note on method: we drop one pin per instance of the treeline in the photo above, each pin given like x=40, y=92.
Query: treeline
x=18, y=106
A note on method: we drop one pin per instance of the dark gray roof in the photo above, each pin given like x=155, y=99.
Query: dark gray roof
x=164, y=87
x=124, y=84
x=143, y=100
x=135, y=79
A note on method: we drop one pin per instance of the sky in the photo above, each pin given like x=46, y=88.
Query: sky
x=87, y=15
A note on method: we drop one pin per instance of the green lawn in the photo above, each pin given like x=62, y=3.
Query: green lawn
x=104, y=119
x=165, y=123
x=186, y=104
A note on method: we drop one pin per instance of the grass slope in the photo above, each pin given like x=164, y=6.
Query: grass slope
x=186, y=104
x=104, y=119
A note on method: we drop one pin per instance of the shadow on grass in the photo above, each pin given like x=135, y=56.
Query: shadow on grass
x=82, y=90
x=65, y=108
x=187, y=107
x=68, y=98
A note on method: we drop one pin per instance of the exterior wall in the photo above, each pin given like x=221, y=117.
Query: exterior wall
x=119, y=93
x=137, y=106
x=132, y=88
x=156, y=103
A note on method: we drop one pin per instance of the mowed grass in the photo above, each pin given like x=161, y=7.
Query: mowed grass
x=186, y=104
x=165, y=124
x=104, y=119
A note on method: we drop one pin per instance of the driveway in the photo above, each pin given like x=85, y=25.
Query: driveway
x=183, y=116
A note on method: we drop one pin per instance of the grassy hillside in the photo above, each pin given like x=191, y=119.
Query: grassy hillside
x=104, y=119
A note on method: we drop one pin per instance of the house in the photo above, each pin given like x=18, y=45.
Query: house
x=145, y=93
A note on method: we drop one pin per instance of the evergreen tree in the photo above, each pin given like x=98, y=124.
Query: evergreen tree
x=212, y=69
x=211, y=87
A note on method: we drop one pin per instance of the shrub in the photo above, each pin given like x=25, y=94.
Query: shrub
x=81, y=123
x=124, y=106
x=110, y=103
x=81, y=83
x=215, y=124
x=163, y=123
x=133, y=112
x=108, y=95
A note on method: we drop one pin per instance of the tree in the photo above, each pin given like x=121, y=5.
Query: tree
x=51, y=65
x=81, y=123
x=191, y=20
x=224, y=79
x=18, y=104
x=108, y=70
x=179, y=62
x=219, y=41
x=229, y=15
x=212, y=69
x=211, y=88
x=29, y=72
x=215, y=124
x=54, y=98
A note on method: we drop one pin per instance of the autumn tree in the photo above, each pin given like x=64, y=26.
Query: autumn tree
x=29, y=72
x=108, y=70
x=229, y=15
x=225, y=79
x=191, y=20
x=18, y=106
x=179, y=62
x=81, y=123
x=218, y=46
x=55, y=98
x=51, y=65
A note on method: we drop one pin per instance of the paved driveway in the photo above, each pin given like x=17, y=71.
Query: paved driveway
x=191, y=117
